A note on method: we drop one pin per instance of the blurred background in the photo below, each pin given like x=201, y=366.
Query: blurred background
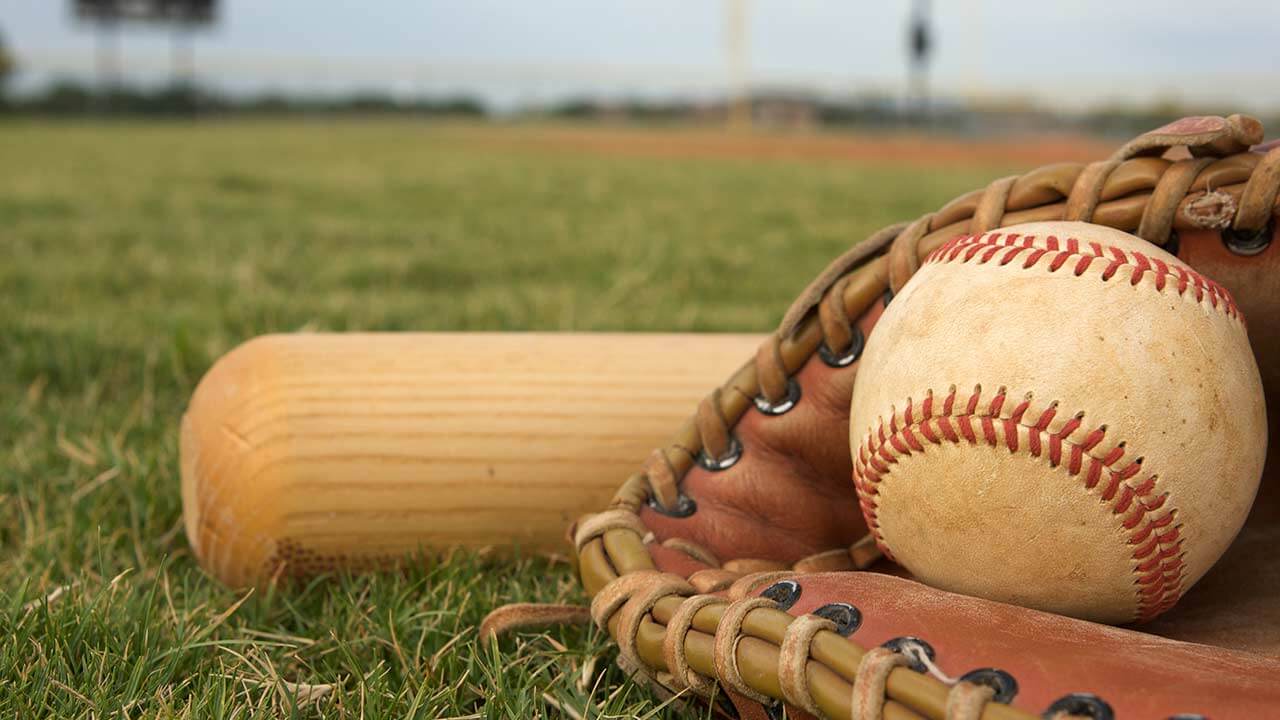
x=967, y=65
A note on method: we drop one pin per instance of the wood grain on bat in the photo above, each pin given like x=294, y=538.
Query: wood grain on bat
x=314, y=452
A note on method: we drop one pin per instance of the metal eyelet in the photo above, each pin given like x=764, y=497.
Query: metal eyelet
x=1003, y=683
x=1084, y=704
x=684, y=507
x=900, y=645
x=846, y=617
x=771, y=408
x=846, y=358
x=783, y=592
x=1248, y=242
x=724, y=462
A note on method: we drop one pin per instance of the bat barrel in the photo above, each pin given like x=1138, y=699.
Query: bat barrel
x=310, y=453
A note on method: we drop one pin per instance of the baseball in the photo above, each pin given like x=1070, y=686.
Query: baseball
x=1060, y=416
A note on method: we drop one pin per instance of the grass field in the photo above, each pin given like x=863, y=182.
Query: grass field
x=133, y=255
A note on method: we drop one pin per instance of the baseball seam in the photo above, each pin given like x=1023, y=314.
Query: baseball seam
x=984, y=248
x=1148, y=518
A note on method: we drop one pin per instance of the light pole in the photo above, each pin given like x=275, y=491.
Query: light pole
x=920, y=44
x=739, y=101
x=183, y=17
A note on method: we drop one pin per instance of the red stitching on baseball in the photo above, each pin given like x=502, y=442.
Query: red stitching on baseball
x=1157, y=557
x=982, y=248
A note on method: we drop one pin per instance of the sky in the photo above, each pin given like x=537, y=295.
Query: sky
x=1063, y=54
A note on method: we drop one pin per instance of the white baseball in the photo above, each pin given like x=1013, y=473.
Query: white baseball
x=1060, y=416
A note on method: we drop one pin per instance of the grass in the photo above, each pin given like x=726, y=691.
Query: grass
x=133, y=255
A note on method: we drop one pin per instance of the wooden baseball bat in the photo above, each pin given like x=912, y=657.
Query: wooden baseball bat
x=315, y=452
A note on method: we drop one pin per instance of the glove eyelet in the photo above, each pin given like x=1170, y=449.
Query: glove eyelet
x=903, y=645
x=1248, y=242
x=846, y=617
x=850, y=354
x=783, y=592
x=724, y=462
x=1003, y=683
x=1083, y=704
x=684, y=507
x=767, y=407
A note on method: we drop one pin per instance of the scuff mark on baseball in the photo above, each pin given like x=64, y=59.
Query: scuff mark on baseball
x=1060, y=416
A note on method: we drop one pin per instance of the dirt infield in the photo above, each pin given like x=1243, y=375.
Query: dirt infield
x=891, y=147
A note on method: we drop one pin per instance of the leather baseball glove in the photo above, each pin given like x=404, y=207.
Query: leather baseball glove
x=736, y=569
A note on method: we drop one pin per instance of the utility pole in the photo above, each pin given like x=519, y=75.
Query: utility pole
x=920, y=45
x=739, y=100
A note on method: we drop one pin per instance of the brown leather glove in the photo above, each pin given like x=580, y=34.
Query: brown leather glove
x=756, y=489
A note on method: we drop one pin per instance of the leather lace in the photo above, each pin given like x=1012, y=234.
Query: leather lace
x=1196, y=174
